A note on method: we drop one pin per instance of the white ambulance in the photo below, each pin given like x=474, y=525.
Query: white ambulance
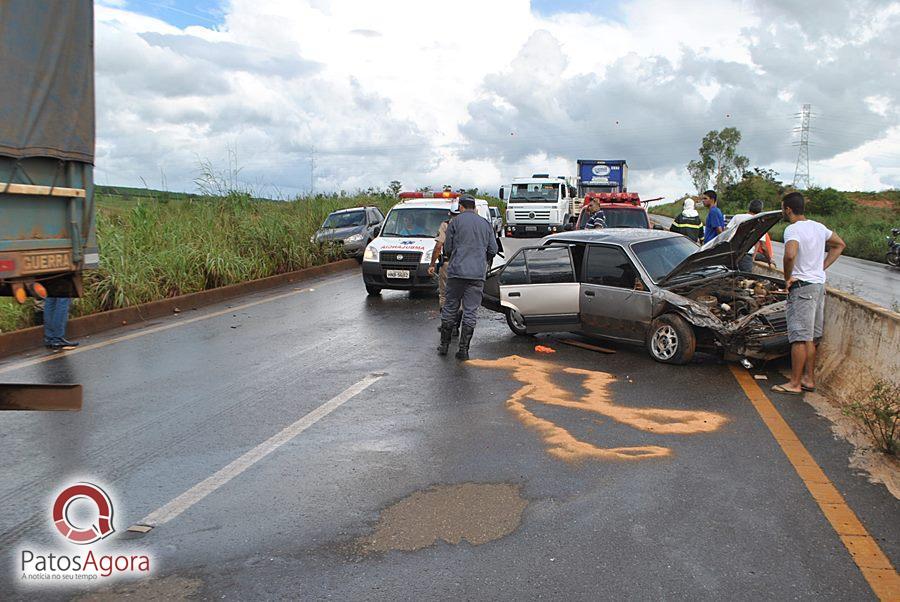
x=400, y=255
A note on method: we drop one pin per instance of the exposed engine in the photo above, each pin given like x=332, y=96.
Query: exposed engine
x=733, y=298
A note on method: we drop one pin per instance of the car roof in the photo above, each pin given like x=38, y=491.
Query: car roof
x=431, y=203
x=619, y=236
x=351, y=209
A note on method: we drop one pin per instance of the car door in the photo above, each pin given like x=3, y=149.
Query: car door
x=374, y=220
x=539, y=283
x=615, y=301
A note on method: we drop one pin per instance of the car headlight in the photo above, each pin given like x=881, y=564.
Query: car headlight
x=355, y=238
x=371, y=253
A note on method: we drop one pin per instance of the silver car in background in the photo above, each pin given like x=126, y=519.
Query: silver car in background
x=647, y=287
x=352, y=229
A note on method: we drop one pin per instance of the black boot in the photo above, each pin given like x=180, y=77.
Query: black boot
x=465, y=337
x=446, y=330
x=456, y=326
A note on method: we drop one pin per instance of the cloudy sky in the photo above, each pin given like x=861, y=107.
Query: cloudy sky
x=357, y=93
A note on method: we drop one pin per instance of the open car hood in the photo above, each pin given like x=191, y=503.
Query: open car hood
x=728, y=247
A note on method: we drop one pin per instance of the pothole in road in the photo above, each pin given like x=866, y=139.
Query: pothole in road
x=475, y=512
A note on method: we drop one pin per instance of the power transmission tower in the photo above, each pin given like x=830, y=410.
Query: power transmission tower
x=801, y=171
x=312, y=171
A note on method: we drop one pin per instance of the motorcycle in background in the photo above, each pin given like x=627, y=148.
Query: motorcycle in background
x=893, y=254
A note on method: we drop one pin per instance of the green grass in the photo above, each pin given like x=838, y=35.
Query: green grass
x=154, y=247
x=863, y=229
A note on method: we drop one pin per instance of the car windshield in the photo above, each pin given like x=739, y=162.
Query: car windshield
x=419, y=222
x=345, y=219
x=661, y=255
x=537, y=193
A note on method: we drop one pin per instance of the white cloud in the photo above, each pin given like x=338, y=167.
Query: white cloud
x=472, y=93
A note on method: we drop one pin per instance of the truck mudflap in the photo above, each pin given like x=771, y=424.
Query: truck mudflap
x=42, y=398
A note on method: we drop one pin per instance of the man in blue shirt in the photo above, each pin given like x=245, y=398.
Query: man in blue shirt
x=715, y=220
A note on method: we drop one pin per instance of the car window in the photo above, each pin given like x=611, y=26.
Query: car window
x=515, y=272
x=609, y=266
x=625, y=218
x=550, y=265
x=345, y=219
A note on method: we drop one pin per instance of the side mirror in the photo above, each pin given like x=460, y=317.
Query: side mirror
x=501, y=194
x=377, y=229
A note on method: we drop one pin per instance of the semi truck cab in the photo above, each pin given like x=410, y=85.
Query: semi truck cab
x=538, y=206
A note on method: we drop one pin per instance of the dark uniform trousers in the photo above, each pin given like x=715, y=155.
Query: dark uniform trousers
x=461, y=291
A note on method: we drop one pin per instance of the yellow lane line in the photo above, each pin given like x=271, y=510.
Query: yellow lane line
x=155, y=329
x=872, y=562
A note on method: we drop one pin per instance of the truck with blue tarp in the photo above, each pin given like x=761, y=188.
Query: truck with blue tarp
x=602, y=175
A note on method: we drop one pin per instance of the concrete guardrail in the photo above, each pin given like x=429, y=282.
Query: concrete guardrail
x=860, y=345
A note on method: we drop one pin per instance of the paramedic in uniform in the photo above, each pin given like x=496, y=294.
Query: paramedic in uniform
x=470, y=246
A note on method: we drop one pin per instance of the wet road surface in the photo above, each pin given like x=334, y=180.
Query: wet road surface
x=869, y=280
x=570, y=475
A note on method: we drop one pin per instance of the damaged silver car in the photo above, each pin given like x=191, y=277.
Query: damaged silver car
x=647, y=287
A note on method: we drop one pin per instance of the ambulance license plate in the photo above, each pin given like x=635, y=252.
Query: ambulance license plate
x=531, y=228
x=398, y=274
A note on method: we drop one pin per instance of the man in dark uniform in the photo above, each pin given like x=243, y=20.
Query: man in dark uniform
x=471, y=245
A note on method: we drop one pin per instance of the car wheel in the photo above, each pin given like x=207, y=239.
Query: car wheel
x=671, y=340
x=373, y=290
x=516, y=322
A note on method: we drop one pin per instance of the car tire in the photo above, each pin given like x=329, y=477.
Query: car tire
x=516, y=322
x=373, y=291
x=671, y=340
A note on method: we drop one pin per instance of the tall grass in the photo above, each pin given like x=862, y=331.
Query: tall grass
x=152, y=250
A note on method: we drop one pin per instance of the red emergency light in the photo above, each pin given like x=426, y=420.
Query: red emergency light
x=429, y=195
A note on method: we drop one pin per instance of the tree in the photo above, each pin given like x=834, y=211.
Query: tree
x=759, y=184
x=699, y=172
x=719, y=161
x=395, y=187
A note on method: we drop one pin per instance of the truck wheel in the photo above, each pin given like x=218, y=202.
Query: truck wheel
x=373, y=290
x=671, y=340
x=516, y=322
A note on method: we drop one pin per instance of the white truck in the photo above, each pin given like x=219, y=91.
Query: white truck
x=539, y=205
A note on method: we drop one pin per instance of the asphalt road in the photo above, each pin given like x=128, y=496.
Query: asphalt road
x=418, y=477
x=875, y=282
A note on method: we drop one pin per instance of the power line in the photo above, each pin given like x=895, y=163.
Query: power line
x=801, y=171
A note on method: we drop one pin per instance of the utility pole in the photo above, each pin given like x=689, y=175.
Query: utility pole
x=312, y=171
x=801, y=171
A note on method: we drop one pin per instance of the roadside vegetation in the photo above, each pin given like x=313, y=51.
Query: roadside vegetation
x=862, y=219
x=155, y=245
x=880, y=414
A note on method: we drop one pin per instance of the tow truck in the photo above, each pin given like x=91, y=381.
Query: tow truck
x=620, y=210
